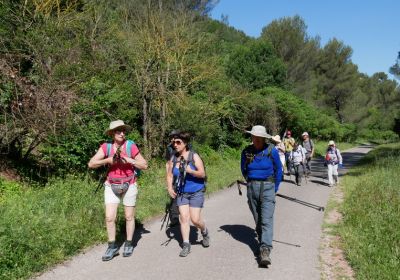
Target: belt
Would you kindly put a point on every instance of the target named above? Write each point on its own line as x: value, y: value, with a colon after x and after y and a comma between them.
x: 269, y: 179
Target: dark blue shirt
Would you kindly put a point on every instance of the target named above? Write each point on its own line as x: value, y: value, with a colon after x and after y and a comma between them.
x: 261, y: 166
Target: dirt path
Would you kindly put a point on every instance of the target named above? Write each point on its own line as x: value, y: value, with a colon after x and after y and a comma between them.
x: 231, y: 255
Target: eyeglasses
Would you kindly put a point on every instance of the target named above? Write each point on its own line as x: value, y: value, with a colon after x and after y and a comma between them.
x: 120, y: 131
x: 177, y: 142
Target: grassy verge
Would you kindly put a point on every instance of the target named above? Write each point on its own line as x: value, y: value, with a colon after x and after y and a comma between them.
x: 321, y: 146
x: 42, y: 227
x: 371, y: 213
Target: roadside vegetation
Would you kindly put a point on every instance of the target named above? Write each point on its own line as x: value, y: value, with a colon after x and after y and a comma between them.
x: 371, y: 212
x: 68, y: 68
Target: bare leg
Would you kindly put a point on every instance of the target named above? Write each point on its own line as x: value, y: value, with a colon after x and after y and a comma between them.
x: 111, y: 215
x: 130, y: 222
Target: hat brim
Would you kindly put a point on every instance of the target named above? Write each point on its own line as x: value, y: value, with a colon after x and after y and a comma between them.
x: 263, y: 135
x: 276, y: 140
x: 127, y: 128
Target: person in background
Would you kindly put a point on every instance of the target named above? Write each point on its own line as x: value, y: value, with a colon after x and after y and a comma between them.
x: 122, y: 161
x: 261, y: 166
x: 289, y: 141
x: 281, y: 150
x: 333, y: 160
x: 297, y: 159
x: 308, y: 145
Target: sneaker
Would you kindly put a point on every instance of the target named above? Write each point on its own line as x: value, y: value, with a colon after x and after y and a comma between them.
x: 185, y: 249
x: 128, y: 248
x: 111, y: 252
x: 206, y: 239
x: 265, y: 259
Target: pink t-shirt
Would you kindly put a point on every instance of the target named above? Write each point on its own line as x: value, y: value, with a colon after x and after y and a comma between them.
x: 118, y: 171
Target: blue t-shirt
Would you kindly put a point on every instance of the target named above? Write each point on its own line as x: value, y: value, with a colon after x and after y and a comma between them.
x: 261, y: 166
x: 192, y: 184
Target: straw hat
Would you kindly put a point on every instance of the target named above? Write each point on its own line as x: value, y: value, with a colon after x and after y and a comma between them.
x: 260, y: 131
x: 277, y: 138
x: 118, y: 124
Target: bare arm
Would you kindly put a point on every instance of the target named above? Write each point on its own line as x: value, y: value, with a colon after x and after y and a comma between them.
x: 138, y: 162
x: 200, y: 172
x: 98, y: 160
x: 170, y: 176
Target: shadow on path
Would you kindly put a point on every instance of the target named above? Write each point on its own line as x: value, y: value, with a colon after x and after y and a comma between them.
x: 243, y: 234
x: 174, y: 233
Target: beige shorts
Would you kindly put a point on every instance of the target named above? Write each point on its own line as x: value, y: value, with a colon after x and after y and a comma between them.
x: 128, y: 198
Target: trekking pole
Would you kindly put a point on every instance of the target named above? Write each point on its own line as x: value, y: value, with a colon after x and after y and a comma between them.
x: 166, y: 216
x: 286, y: 243
x: 238, y: 182
x: 305, y: 203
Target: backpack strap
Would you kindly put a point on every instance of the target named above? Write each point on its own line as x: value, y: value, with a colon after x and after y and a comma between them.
x: 108, y: 152
x: 128, y: 147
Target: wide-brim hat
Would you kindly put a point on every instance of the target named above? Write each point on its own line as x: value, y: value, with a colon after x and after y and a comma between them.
x: 118, y: 124
x: 331, y: 143
x: 276, y: 138
x: 260, y: 131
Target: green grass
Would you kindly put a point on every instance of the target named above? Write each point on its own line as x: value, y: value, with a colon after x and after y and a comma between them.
x: 371, y: 215
x: 42, y: 227
x: 321, y: 146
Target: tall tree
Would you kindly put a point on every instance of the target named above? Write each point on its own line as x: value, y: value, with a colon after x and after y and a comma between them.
x: 338, y: 75
x: 256, y: 65
x: 395, y: 69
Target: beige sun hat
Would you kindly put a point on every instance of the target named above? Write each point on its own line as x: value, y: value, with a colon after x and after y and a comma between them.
x: 117, y: 124
x: 276, y: 138
x: 260, y: 131
x: 331, y: 143
x: 305, y: 134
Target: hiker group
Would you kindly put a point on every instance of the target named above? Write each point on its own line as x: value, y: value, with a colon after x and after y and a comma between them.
x: 263, y: 165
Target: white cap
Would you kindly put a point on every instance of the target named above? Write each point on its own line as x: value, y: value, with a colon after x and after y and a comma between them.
x: 305, y: 134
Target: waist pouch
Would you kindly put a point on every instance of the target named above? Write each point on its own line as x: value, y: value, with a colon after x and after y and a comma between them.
x: 119, y: 189
x: 121, y: 185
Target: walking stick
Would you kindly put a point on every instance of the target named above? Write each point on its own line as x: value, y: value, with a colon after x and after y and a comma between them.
x: 305, y: 203
x: 302, y: 202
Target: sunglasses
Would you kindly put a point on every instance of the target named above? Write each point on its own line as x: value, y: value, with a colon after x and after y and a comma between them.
x: 120, y: 131
x: 177, y: 142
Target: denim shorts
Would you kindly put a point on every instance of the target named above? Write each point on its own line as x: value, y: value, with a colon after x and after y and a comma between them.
x: 195, y: 200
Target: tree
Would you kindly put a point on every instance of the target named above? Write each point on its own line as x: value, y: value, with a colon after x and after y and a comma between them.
x: 338, y: 76
x: 164, y: 50
x: 256, y: 65
x: 395, y: 69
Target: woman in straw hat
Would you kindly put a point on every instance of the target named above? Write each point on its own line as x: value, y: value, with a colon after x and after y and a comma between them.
x: 262, y: 168
x: 122, y: 158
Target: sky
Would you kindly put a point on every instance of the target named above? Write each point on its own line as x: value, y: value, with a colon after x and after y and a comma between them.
x: 370, y: 27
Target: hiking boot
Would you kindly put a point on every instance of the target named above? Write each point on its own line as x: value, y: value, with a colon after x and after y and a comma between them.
x: 185, y: 249
x: 206, y: 239
x: 128, y: 248
x: 111, y: 252
x: 265, y: 259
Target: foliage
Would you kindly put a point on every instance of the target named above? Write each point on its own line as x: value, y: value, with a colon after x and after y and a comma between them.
x: 371, y: 205
x: 255, y: 66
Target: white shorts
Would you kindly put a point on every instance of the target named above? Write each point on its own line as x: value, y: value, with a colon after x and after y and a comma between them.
x: 128, y: 198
